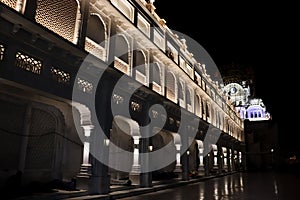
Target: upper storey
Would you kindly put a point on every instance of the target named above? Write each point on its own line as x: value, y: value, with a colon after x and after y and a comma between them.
x: 130, y: 37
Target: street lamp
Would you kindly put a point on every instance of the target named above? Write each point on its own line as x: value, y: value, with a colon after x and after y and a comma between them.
x: 272, y: 157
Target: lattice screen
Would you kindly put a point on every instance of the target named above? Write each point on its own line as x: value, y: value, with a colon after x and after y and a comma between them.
x: 10, y: 3
x: 40, y: 147
x: 58, y: 16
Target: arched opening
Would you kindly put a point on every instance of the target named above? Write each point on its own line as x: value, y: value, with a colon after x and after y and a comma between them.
x: 194, y: 160
x: 181, y: 94
x: 122, y: 54
x: 140, y: 67
x: 171, y: 89
x: 124, y: 134
x: 31, y: 141
x: 96, y: 37
x: 189, y: 100
x: 201, y: 157
x: 160, y: 140
x: 198, y: 106
x: 156, y: 78
x: 96, y: 30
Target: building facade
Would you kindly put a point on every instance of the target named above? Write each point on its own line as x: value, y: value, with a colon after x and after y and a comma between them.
x: 261, y: 134
x: 80, y: 82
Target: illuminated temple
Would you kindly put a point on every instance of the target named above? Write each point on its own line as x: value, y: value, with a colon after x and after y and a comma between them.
x: 53, y: 49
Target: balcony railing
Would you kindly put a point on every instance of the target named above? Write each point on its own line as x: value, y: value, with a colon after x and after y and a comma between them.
x: 95, y: 49
x: 140, y: 77
x: 156, y: 87
x: 122, y: 66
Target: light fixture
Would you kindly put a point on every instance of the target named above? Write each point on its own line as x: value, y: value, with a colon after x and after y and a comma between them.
x: 188, y: 152
x: 272, y: 150
x: 106, y: 142
x: 150, y: 148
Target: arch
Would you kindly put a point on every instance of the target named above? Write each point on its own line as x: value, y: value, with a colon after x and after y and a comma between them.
x: 194, y: 160
x: 46, y: 122
x: 96, y: 29
x: 123, y: 133
x: 181, y: 90
x: 85, y: 113
x: 140, y: 66
x: 207, y: 110
x: 189, y: 100
x: 60, y: 17
x: 140, y: 61
x: 160, y: 140
x: 156, y: 73
x: 198, y: 105
x: 177, y: 139
x: 188, y: 97
x: 171, y: 86
x: 127, y: 125
x: 122, y: 48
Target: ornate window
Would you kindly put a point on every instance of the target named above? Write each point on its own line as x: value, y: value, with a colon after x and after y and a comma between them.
x: 60, y: 17
x: 125, y: 7
x: 10, y: 3
x: 84, y: 85
x: 28, y: 63
x: 171, y: 89
x: 60, y: 76
x: 143, y: 25
x: 159, y: 40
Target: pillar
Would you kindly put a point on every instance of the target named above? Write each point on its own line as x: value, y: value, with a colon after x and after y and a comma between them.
x: 220, y: 159
x: 185, y: 155
x: 229, y: 160
x: 146, y: 132
x: 84, y: 175
x: 136, y: 167
x: 24, y: 142
x: 146, y: 175
x: 100, y: 178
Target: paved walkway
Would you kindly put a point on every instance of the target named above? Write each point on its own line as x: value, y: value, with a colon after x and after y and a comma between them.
x: 117, y: 191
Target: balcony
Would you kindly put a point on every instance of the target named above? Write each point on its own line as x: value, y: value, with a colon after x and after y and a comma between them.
x: 95, y: 49
x: 122, y: 66
x: 156, y: 87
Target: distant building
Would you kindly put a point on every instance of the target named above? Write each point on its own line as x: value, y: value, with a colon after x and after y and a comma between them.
x: 261, y: 135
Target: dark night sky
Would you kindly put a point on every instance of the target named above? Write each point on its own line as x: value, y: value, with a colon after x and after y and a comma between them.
x: 248, y: 33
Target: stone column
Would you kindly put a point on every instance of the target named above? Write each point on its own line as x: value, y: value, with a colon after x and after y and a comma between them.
x: 100, y: 178
x: 82, y: 23
x: 146, y: 175
x: 233, y: 159
x: 206, y: 159
x: 84, y: 175
x: 177, y: 142
x: 146, y: 132
x: 24, y: 142
x: 229, y: 159
x: 220, y: 159
x: 136, y: 167
x: 185, y: 154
